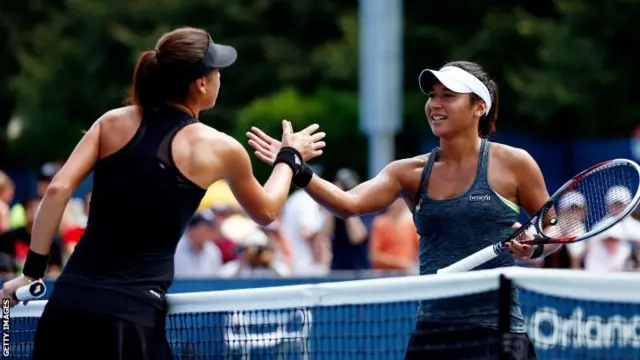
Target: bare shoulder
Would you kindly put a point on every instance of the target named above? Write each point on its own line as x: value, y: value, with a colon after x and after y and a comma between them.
x: 407, y: 172
x: 422, y: 158
x: 516, y: 159
x: 200, y: 135
x: 119, y: 114
x: 119, y: 118
x: 210, y: 146
x: 403, y: 166
x: 509, y: 155
x: 204, y: 154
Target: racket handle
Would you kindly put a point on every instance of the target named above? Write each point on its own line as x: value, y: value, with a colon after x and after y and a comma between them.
x: 33, y: 291
x: 473, y: 260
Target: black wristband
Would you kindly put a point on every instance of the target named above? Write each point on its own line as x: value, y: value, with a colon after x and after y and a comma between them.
x: 35, y: 265
x: 291, y: 157
x: 303, y: 178
x: 537, y: 252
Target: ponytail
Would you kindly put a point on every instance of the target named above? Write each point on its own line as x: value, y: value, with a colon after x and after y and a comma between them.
x: 164, y: 75
x: 145, y: 91
x: 487, y: 124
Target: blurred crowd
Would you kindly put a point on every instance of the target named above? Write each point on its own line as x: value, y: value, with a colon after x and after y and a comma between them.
x: 615, y: 249
x: 220, y: 241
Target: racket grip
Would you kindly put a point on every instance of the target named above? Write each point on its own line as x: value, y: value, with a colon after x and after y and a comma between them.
x: 32, y: 291
x: 473, y: 260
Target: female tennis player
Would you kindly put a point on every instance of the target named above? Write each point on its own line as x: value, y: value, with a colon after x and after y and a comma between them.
x: 152, y: 163
x: 466, y: 194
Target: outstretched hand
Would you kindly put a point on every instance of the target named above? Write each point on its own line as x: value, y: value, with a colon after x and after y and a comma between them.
x: 306, y: 141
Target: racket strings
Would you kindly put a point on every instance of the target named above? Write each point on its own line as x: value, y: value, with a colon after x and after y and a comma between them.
x: 597, y: 199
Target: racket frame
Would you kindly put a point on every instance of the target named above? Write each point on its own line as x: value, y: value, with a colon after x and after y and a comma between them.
x: 536, y: 220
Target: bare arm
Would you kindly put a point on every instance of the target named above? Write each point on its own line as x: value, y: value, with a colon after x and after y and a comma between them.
x: 262, y: 204
x: 370, y: 196
x: 75, y: 170
x: 532, y: 189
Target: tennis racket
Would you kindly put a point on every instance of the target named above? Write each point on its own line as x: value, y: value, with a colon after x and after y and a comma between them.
x: 585, y: 206
x: 32, y: 291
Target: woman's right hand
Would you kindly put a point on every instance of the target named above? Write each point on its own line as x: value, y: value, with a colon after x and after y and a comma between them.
x: 306, y: 142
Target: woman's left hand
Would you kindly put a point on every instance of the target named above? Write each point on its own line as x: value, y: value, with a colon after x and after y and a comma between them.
x: 519, y: 251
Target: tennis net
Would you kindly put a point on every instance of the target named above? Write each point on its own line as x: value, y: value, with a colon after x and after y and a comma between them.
x: 569, y: 315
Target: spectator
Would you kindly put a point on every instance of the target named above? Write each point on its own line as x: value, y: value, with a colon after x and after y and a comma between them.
x: 226, y: 246
x: 636, y: 213
x: 8, y: 266
x: 7, y: 191
x: 302, y: 223
x: 616, y: 200
x: 609, y: 252
x: 350, y: 237
x: 572, y: 206
x: 636, y: 241
x: 72, y: 234
x: 196, y: 254
x: 394, y: 239
x: 16, y: 242
x: 281, y: 244
x: 47, y: 172
x: 45, y: 176
x: 257, y: 258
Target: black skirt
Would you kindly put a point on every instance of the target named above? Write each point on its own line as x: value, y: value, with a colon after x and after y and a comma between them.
x: 456, y: 342
x: 64, y: 333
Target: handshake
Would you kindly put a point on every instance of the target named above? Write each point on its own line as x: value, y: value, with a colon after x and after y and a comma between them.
x: 295, y: 149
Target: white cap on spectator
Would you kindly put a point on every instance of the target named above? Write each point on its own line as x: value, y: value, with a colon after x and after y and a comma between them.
x: 618, y: 194
x: 256, y: 237
x: 237, y: 227
x: 572, y: 198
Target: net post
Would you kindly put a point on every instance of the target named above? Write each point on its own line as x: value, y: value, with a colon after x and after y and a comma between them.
x: 504, y: 316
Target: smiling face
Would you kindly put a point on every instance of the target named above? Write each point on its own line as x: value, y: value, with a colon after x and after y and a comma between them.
x: 450, y: 113
x: 461, y: 93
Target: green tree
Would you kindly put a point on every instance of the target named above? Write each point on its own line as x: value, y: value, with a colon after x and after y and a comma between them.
x: 335, y: 112
x: 78, y: 62
x: 68, y: 61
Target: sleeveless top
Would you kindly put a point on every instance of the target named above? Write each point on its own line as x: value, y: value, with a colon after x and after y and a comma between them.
x: 454, y: 228
x: 140, y: 206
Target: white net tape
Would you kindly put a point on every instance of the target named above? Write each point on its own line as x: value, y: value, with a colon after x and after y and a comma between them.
x: 569, y: 315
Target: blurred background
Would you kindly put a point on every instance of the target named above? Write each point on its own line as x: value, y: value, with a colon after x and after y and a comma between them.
x: 566, y: 70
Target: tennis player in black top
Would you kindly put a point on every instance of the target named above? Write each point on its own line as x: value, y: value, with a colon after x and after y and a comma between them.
x: 152, y: 162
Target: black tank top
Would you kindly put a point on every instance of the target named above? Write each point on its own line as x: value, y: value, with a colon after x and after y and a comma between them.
x: 140, y: 206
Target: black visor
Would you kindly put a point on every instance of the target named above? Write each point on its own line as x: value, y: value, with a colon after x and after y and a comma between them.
x: 217, y: 57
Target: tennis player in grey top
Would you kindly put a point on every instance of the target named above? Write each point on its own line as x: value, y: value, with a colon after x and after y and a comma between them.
x: 465, y: 194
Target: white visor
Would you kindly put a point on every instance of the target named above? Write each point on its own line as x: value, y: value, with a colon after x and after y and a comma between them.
x: 456, y: 80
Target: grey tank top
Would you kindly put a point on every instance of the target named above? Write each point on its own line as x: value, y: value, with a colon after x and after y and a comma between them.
x: 454, y: 228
